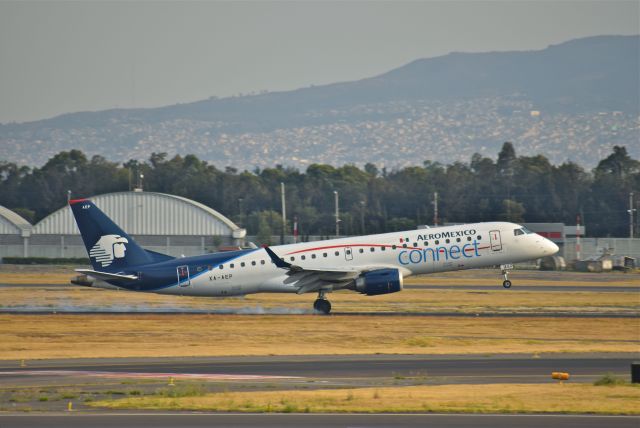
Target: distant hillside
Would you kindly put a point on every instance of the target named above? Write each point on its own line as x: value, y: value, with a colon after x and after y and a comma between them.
x: 569, y: 81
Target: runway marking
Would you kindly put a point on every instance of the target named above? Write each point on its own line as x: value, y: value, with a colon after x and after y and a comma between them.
x: 139, y: 375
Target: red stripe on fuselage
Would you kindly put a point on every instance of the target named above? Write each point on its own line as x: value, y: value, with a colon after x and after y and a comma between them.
x: 75, y: 201
x: 327, y: 247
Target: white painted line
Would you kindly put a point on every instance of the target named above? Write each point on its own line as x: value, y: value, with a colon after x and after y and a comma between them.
x: 138, y: 375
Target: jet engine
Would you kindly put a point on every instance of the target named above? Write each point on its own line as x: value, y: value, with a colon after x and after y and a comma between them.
x: 380, y: 281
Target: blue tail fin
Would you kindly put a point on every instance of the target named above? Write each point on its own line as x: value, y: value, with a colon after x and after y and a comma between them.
x: 109, y: 247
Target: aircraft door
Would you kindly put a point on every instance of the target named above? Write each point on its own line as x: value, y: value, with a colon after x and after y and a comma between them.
x: 496, y: 241
x: 184, y: 280
x: 348, y: 253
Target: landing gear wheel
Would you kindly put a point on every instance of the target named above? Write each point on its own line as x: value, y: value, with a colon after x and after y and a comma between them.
x: 505, y: 274
x: 322, y: 306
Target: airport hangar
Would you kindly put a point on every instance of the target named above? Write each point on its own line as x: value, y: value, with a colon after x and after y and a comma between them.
x: 160, y: 222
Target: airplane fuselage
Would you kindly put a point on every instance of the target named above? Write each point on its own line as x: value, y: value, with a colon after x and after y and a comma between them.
x: 412, y: 252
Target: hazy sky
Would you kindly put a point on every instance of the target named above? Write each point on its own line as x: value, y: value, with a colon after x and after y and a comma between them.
x: 60, y: 57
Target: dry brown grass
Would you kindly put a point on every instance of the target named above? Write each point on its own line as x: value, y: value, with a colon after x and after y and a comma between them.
x: 92, y: 336
x: 36, y: 278
x: 496, y: 398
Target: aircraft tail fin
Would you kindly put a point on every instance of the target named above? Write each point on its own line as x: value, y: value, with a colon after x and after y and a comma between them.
x: 108, y: 246
x: 159, y: 257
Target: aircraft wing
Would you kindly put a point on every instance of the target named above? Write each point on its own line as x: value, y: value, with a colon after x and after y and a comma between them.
x: 106, y: 275
x: 309, y: 280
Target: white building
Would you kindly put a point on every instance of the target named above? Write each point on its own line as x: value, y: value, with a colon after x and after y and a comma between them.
x: 160, y: 222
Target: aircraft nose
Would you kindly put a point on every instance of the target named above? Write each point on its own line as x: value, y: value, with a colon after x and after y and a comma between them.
x: 551, y: 247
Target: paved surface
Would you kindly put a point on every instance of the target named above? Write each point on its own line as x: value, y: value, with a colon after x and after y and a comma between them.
x: 487, y: 369
x: 538, y: 288
x: 166, y: 420
x: 292, y: 311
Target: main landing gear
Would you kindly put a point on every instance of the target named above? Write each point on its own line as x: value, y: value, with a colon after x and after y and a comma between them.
x: 505, y: 274
x: 321, y: 304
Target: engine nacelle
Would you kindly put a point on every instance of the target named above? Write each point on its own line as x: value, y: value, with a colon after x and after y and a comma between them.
x: 381, y: 281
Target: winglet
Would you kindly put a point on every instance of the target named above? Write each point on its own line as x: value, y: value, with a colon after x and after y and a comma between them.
x: 277, y: 260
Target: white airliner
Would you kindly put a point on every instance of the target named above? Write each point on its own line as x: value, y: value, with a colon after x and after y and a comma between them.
x: 371, y: 265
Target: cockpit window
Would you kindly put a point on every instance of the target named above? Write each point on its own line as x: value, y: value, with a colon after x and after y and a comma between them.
x: 521, y: 231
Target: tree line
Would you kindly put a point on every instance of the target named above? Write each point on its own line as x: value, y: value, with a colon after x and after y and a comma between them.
x: 372, y: 200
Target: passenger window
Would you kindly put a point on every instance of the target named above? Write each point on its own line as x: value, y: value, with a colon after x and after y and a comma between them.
x: 361, y: 250
x: 393, y: 247
x: 372, y: 249
x: 447, y: 240
x: 261, y: 262
x: 457, y: 239
x: 437, y: 242
x: 415, y: 244
x: 337, y: 253
x: 479, y: 237
x: 242, y: 264
x: 253, y: 263
x: 324, y: 254
x: 313, y: 256
x: 469, y: 238
x: 221, y: 266
x: 231, y: 265
x: 303, y: 257
x: 404, y: 245
x: 383, y: 248
x: 426, y: 244
x: 292, y: 258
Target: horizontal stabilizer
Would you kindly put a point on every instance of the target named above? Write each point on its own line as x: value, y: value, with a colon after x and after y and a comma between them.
x: 106, y: 275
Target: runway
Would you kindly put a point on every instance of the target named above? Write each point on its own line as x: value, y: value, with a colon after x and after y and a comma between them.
x: 449, y: 369
x: 529, y: 288
x: 177, y: 420
x: 287, y: 312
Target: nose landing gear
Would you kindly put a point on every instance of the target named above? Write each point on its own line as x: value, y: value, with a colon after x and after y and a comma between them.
x: 321, y: 304
x: 505, y: 274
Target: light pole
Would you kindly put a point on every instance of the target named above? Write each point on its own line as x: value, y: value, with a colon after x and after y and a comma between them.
x: 284, y: 213
x: 631, y: 210
x: 435, y: 208
x: 335, y: 194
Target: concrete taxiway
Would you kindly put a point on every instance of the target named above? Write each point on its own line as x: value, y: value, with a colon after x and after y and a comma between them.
x: 170, y: 420
x: 449, y: 369
x: 529, y: 288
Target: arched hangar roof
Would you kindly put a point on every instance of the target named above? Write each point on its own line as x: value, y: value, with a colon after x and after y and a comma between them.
x: 146, y: 213
x: 11, y: 223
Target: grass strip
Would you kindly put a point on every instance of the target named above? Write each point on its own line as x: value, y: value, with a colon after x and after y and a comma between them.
x: 495, y: 398
x: 107, y: 336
